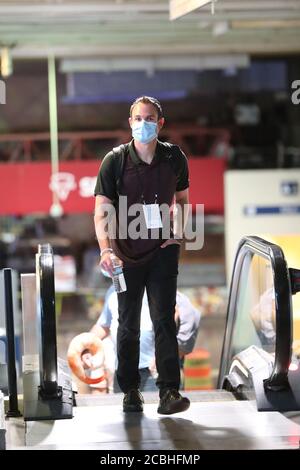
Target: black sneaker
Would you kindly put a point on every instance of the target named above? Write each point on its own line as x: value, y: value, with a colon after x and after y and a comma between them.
x: 172, y: 402
x: 133, y: 401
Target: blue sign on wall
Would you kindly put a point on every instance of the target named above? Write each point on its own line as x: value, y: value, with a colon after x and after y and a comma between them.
x: 271, y: 210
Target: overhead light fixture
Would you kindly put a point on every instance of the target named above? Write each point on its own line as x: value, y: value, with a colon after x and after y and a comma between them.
x: 220, y: 28
x: 152, y: 64
x: 180, y: 8
x: 266, y: 24
x: 6, y: 62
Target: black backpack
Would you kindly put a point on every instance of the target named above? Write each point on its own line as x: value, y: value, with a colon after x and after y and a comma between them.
x: 119, y: 160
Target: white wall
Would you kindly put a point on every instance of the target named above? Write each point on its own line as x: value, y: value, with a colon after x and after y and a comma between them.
x: 258, y: 188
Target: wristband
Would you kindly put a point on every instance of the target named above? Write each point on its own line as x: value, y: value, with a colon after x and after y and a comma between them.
x: 106, y: 250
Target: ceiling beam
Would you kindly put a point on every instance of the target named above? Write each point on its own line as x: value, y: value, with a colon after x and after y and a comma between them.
x: 63, y: 8
x: 253, y: 48
x: 63, y: 25
x: 159, y: 20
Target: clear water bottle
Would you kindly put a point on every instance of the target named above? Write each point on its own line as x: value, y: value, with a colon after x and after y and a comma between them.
x: 118, y: 275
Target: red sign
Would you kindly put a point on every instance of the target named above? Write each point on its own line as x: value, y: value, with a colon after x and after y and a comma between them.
x: 26, y: 188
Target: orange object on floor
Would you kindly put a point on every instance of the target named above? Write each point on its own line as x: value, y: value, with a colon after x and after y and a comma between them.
x: 197, y: 370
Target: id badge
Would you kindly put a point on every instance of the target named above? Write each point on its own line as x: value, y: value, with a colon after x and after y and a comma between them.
x: 152, y: 215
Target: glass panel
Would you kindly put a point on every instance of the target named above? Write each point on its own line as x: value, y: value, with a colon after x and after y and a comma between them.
x: 290, y: 245
x: 30, y: 334
x: 255, y: 319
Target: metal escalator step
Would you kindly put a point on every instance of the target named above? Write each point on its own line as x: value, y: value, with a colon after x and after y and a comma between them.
x: 152, y: 397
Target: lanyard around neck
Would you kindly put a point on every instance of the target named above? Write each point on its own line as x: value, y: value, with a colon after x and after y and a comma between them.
x: 139, y: 178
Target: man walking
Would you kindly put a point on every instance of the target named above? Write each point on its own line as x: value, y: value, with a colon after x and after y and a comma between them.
x: 150, y: 174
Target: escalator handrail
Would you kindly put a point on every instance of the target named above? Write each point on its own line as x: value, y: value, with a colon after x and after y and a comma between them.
x: 47, y: 321
x: 283, y: 305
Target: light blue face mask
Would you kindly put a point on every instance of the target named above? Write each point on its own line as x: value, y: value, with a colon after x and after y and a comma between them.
x: 144, y: 131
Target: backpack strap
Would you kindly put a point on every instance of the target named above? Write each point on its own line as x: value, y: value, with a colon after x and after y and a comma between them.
x: 119, y: 165
x: 171, y: 152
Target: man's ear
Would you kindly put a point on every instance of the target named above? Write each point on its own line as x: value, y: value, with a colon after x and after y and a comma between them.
x: 160, y: 123
x: 130, y: 121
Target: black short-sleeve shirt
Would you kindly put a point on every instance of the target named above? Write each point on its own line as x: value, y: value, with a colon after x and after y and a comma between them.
x: 143, y: 183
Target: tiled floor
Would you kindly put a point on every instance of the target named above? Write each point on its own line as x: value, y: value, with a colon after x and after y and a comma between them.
x: 214, y: 421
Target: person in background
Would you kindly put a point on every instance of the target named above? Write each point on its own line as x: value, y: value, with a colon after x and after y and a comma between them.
x: 187, y: 319
x: 263, y: 315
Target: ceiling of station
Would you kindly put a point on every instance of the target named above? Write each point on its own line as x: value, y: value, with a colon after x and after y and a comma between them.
x: 142, y: 28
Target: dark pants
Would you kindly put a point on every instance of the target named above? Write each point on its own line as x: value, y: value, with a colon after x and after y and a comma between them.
x: 159, y: 277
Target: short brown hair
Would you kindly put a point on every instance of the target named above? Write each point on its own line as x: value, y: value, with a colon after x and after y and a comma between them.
x: 148, y: 100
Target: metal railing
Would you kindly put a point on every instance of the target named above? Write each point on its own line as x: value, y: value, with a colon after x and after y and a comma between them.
x: 283, y: 305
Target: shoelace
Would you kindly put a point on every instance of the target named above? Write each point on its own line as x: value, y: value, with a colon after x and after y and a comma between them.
x: 171, y: 394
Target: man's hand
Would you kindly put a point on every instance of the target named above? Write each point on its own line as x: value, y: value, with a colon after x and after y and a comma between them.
x: 90, y: 361
x: 86, y: 359
x: 171, y: 241
x: 152, y: 369
x: 107, y: 264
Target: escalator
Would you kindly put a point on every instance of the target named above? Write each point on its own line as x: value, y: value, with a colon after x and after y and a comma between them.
x: 257, y: 402
x: 47, y: 387
x: 257, y: 357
